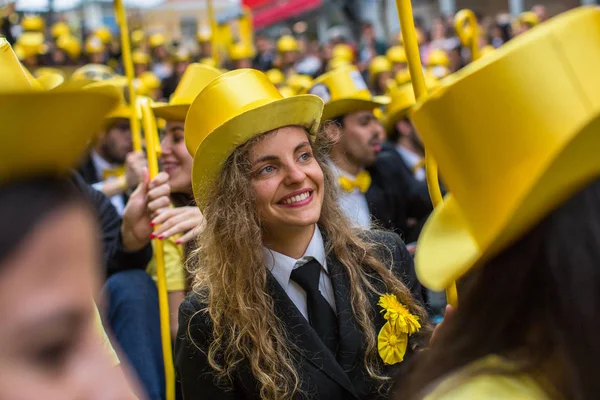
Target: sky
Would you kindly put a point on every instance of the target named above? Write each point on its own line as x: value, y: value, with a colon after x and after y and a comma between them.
x: 60, y: 5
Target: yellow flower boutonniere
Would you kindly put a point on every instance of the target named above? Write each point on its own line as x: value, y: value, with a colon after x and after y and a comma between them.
x: 393, y: 337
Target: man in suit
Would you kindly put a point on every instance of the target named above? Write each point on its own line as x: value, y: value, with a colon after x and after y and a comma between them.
x: 372, y: 189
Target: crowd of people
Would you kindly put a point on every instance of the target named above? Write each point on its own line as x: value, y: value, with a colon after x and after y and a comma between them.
x: 303, y: 255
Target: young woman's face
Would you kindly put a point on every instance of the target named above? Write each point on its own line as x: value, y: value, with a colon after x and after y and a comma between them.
x: 287, y: 180
x: 50, y: 346
x: 175, y: 158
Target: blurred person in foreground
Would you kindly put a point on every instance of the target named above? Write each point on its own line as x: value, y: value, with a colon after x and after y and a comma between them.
x: 521, y: 226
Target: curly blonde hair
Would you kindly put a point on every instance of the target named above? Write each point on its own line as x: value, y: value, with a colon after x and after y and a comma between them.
x: 230, y: 277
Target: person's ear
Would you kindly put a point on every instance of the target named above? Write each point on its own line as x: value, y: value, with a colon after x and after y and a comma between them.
x: 332, y: 131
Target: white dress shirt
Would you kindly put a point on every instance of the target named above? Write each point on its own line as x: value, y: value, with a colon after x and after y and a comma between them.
x: 281, y: 266
x: 102, y: 165
x: 412, y: 160
x: 354, y: 204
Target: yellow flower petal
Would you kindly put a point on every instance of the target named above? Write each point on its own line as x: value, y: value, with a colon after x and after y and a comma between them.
x: 391, y: 344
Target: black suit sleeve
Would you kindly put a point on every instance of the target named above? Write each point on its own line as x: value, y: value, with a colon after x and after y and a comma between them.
x: 116, y: 258
x: 191, y: 361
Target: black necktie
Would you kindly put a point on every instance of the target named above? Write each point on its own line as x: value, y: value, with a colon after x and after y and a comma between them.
x: 320, y: 314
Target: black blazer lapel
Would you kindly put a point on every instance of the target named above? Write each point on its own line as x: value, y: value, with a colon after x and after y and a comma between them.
x: 307, y: 342
x: 350, y: 335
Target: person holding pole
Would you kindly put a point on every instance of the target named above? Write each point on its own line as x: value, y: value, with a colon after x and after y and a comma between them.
x: 288, y: 300
x: 520, y: 228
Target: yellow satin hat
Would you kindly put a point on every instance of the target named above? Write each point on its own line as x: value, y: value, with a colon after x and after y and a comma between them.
x: 275, y: 76
x: 33, y: 23
x: 299, y: 83
x: 396, y: 55
x: 438, y: 58
x: 344, y: 51
x: 140, y: 57
x: 378, y: 65
x: 529, y: 18
x: 402, y: 99
x: 53, y: 141
x: 234, y: 108
x: 240, y: 51
x: 157, y: 40
x: 344, y: 91
x: 70, y: 45
x: 60, y: 29
x: 104, y: 34
x: 515, y: 134
x: 194, y: 79
x: 30, y: 44
x: 286, y: 44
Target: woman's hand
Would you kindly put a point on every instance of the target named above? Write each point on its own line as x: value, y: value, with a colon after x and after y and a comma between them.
x: 181, y: 220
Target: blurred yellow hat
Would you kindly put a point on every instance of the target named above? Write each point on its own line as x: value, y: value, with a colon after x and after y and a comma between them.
x: 33, y: 23
x: 30, y: 44
x: 60, y: 29
x: 275, y: 76
x: 93, y: 73
x: 344, y: 91
x: 137, y: 37
x: 396, y: 55
x: 53, y: 141
x: 335, y: 63
x: 234, y: 108
x: 287, y: 91
x: 378, y: 65
x: 122, y: 110
x: 529, y: 18
x: 182, y: 55
x: 299, y: 83
x: 402, y: 77
x: 343, y: 51
x: 94, y: 45
x: 49, y: 80
x: 209, y: 61
x: 540, y: 146
x: 240, y: 51
x: 104, y: 34
x: 203, y: 36
x: 70, y: 45
x: 48, y: 71
x: 148, y: 83
x: 438, y: 58
x: 286, y: 44
x: 402, y: 99
x: 140, y: 57
x: 157, y: 40
x: 194, y: 79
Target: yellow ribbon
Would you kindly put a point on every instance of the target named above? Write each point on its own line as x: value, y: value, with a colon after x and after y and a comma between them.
x: 362, y: 182
x: 418, y: 166
x: 113, y: 173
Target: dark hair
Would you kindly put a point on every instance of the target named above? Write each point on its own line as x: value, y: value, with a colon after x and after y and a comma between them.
x: 24, y: 203
x: 338, y: 120
x: 536, y: 304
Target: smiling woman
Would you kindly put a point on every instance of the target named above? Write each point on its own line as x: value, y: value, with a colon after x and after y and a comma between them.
x: 285, y: 292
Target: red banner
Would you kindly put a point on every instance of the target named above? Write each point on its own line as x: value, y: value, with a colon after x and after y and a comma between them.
x: 269, y: 12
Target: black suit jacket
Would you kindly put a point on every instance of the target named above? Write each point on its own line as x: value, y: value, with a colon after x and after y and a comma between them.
x: 322, y: 375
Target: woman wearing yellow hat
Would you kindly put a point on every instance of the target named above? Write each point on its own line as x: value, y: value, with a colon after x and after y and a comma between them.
x: 285, y: 293
x: 521, y: 225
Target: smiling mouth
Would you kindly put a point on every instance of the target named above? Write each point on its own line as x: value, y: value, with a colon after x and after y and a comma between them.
x: 299, y: 198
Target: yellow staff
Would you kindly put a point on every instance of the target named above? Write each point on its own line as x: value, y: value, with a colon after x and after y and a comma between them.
x: 213, y: 31
x: 467, y: 29
x: 415, y: 67
x: 153, y: 149
x: 128, y: 65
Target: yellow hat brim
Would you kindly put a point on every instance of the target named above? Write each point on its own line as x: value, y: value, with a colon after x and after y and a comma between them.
x: 301, y: 110
x: 447, y: 249
x: 340, y: 107
x: 50, y: 81
x: 54, y: 141
x: 123, y: 111
x: 169, y: 112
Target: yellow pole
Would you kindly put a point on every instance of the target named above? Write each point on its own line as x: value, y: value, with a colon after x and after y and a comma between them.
x: 153, y: 148
x: 128, y: 65
x: 415, y: 68
x: 213, y: 32
x: 467, y: 29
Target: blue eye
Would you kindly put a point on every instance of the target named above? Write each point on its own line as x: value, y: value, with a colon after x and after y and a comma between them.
x: 266, y: 170
x: 305, y: 156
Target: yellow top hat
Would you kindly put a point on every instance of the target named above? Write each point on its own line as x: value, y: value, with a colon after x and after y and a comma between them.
x: 148, y: 82
x: 69, y: 45
x: 33, y: 23
x: 529, y: 18
x: 344, y: 51
x: 336, y: 63
x: 344, y: 91
x: 50, y: 80
x: 396, y: 55
x: 122, y: 110
x: 137, y: 37
x: 94, y: 45
x: 234, y: 108
x: 240, y: 51
x: 60, y: 29
x: 203, y: 36
x: 157, y: 40
x: 539, y: 147
x: 194, y: 79
x: 30, y: 44
x: 93, y: 73
x: 53, y: 141
x: 378, y: 65
x: 286, y: 44
x: 140, y: 57
x: 402, y: 99
x: 438, y: 58
x: 299, y: 83
x: 275, y: 76
x: 104, y: 34
x: 182, y: 55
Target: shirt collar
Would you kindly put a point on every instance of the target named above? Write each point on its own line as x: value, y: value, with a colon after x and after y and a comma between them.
x: 101, y: 164
x: 281, y: 266
x: 409, y: 157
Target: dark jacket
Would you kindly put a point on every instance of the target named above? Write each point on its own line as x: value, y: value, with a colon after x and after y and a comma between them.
x: 116, y: 258
x: 322, y: 375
